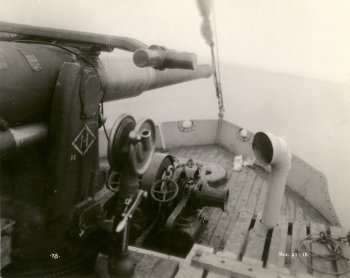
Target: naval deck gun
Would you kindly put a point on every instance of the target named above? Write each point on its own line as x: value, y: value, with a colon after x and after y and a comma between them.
x: 53, y: 84
x: 62, y: 204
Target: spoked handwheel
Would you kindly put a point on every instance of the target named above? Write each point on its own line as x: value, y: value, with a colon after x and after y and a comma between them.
x: 164, y: 190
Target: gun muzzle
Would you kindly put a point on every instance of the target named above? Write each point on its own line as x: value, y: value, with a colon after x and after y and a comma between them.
x: 162, y: 58
x: 124, y: 79
x: 206, y: 196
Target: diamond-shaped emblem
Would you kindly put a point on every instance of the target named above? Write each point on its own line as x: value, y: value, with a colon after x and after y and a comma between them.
x: 84, y: 140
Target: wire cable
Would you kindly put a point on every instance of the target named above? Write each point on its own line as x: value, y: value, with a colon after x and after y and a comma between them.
x: 333, y: 245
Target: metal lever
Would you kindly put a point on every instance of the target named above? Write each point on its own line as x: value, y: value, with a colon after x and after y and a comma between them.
x: 128, y: 214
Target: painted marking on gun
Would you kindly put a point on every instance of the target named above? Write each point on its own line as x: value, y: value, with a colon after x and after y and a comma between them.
x: 84, y: 140
x: 31, y: 59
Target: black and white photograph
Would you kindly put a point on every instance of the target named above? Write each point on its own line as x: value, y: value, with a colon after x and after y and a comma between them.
x: 163, y: 138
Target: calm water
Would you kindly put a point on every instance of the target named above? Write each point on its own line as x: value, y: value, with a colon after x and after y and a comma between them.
x: 313, y: 115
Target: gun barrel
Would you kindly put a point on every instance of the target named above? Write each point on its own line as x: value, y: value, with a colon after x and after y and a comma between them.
x: 125, y: 80
x: 29, y: 71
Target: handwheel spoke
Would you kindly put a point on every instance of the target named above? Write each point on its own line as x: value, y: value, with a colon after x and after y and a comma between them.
x: 164, y: 190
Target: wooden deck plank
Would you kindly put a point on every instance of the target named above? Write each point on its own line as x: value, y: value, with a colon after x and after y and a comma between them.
x: 237, y: 238
x: 284, y: 206
x: 208, y: 153
x: 235, y: 185
x: 179, y: 151
x: 299, y: 214
x: 215, y: 218
x: 247, y: 189
x: 239, y: 196
x: 215, y: 214
x: 236, y: 188
x: 254, y: 195
x: 188, y: 152
x: 227, y: 256
x: 186, y: 269
x: 205, y: 153
x: 226, y: 223
x: 215, y: 275
x: 226, y: 267
x: 193, y: 153
x: 224, y: 159
x: 215, y: 153
x: 261, y: 200
x: 298, y: 234
x: 147, y: 264
x: 290, y: 209
x: 255, y: 244
x: 277, y: 250
x: 342, y: 266
x: 151, y: 266
x: 318, y: 263
x: 228, y: 160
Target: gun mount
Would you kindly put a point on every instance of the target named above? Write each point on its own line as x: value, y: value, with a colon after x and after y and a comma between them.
x: 130, y: 150
x: 178, y: 193
x: 52, y: 85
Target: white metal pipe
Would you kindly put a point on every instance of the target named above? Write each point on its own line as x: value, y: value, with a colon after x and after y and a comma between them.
x: 272, y: 150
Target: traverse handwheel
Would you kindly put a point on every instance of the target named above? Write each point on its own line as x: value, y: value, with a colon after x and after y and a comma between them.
x: 164, y: 190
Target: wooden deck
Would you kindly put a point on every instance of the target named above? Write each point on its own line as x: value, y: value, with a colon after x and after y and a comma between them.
x: 148, y: 264
x: 247, y: 193
x: 235, y: 243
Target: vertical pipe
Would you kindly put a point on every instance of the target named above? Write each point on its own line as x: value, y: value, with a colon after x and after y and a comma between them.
x: 272, y: 150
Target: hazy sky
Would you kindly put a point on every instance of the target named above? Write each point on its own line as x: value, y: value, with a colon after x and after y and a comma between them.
x: 300, y: 37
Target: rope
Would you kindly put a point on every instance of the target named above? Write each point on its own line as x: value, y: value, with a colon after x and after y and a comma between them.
x: 204, y: 7
x: 333, y: 245
x: 217, y: 42
x: 217, y: 78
